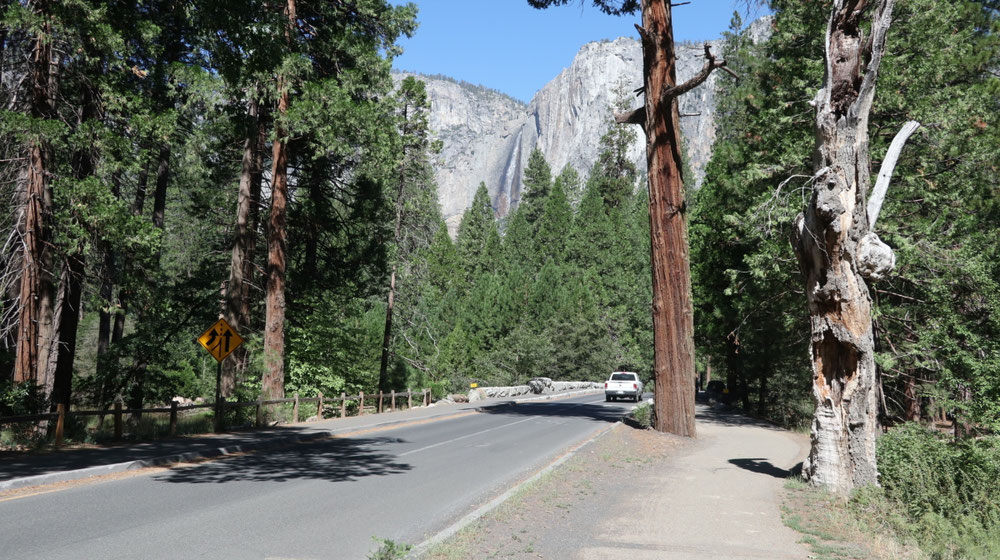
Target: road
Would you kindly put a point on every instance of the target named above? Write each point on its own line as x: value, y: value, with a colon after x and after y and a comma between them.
x: 320, y: 500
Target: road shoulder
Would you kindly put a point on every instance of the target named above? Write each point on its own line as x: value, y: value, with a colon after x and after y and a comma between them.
x: 636, y: 494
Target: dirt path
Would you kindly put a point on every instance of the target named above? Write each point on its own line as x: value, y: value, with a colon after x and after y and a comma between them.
x: 641, y: 495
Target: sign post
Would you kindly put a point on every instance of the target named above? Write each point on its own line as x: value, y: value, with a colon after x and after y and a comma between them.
x: 220, y: 340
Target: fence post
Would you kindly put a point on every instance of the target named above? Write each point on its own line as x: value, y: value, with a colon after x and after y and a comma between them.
x: 380, y: 402
x: 427, y: 397
x: 60, y: 423
x: 118, y: 419
x: 173, y: 418
x: 260, y: 412
x: 343, y: 405
x: 361, y: 403
x: 409, y: 398
x: 319, y: 407
x: 220, y: 418
x: 295, y: 409
x: 392, y: 401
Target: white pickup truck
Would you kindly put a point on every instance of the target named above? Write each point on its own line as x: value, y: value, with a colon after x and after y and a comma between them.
x: 623, y: 384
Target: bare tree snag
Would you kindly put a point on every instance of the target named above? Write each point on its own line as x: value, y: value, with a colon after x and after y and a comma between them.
x: 837, y: 251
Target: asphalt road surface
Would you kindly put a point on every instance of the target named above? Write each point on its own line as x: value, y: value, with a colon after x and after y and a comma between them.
x: 325, y: 500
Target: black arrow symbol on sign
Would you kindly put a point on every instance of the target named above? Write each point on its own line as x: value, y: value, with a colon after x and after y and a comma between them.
x: 211, y: 338
x: 227, y: 336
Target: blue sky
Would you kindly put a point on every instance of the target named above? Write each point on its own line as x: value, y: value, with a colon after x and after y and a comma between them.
x: 508, y: 46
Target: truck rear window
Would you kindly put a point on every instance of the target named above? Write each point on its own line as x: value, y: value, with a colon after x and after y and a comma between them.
x: 623, y: 377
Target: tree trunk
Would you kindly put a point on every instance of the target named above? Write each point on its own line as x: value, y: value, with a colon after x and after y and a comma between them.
x: 912, y: 412
x: 106, y: 294
x: 236, y: 311
x: 159, y: 211
x: 383, y: 371
x: 673, y: 323
x: 71, y: 282
x: 830, y: 236
x: 272, y: 384
x: 273, y: 381
x: 162, y: 181
x: 69, y: 322
x: 36, y: 296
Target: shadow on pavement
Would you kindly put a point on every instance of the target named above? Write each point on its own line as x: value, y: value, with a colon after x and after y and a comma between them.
x: 726, y: 417
x: 762, y: 466
x: 17, y: 465
x: 333, y: 460
x: 596, y: 412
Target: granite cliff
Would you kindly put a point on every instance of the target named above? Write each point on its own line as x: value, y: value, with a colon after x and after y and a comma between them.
x: 488, y: 136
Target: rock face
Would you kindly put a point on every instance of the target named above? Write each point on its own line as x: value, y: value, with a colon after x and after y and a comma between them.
x: 488, y: 136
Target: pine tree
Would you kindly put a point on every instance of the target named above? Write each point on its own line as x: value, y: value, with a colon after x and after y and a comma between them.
x: 537, y: 185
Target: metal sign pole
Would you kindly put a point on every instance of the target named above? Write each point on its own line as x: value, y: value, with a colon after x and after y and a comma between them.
x: 218, y: 399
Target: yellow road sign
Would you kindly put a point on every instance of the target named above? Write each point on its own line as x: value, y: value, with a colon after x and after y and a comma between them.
x: 220, y: 340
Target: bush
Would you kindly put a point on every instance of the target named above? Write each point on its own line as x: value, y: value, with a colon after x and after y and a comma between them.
x: 643, y: 414
x: 948, y: 491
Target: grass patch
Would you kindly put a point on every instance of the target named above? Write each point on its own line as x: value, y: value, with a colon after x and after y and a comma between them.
x: 389, y: 550
x: 834, y: 529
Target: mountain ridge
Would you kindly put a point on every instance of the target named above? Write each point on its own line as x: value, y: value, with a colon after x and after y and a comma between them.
x: 487, y: 135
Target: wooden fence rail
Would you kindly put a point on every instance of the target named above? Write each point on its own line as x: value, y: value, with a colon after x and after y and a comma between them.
x: 220, y: 408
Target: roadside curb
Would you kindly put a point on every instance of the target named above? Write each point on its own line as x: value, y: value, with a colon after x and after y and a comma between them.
x: 425, y: 547
x: 227, y: 450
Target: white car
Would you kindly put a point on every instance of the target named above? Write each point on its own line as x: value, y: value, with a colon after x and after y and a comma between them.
x: 623, y: 384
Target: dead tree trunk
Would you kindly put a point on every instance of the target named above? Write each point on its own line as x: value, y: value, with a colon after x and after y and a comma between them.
x: 673, y: 319
x: 273, y: 382
x: 36, y: 296
x: 236, y: 310
x: 837, y: 251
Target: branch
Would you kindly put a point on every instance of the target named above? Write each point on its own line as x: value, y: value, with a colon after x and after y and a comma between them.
x: 885, y: 172
x: 636, y: 116
x: 875, y: 47
x: 710, y: 64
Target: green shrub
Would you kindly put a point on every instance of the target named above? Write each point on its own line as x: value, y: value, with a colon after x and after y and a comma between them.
x: 948, y: 491
x: 643, y: 414
x: 389, y: 550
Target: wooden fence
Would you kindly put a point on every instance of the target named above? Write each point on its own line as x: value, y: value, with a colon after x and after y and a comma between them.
x: 322, y: 403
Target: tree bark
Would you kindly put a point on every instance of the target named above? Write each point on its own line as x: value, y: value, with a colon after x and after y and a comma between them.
x: 74, y: 269
x: 37, y: 288
x: 273, y: 381
x: 828, y: 242
x: 383, y: 372
x: 236, y: 311
x: 673, y: 323
x: 69, y: 322
x: 673, y: 316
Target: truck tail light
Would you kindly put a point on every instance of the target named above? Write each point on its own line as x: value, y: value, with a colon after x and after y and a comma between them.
x: 605, y: 384
x: 635, y: 386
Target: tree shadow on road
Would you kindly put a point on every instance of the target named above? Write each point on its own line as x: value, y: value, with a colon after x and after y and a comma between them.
x: 595, y: 412
x: 334, y: 460
x: 763, y: 466
x: 729, y: 417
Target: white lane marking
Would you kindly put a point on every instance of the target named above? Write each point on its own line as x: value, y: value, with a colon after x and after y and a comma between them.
x: 466, y: 436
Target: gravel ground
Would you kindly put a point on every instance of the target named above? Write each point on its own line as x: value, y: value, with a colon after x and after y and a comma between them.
x: 636, y: 494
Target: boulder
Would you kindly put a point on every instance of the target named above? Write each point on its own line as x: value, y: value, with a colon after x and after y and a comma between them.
x: 540, y: 385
